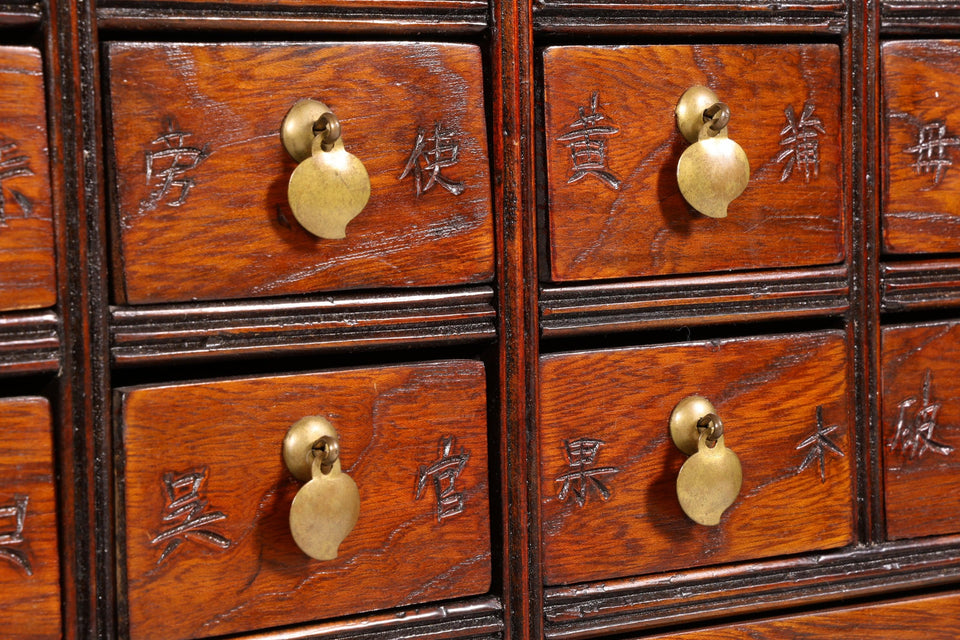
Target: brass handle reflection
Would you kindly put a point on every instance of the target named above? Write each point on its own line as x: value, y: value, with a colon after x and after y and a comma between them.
x: 714, y: 170
x: 327, y: 507
x: 710, y: 479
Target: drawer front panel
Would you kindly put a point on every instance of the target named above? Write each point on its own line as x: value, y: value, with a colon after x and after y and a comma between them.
x: 612, y: 148
x: 29, y: 566
x: 921, y: 87
x: 921, y: 441
x: 784, y: 403
x: 27, y: 276
x: 201, y: 173
x: 412, y: 438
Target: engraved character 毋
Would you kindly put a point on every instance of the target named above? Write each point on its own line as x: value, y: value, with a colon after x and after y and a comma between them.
x: 167, y: 166
x: 431, y: 154
x: 585, y: 139
x: 916, y: 424
x: 12, y: 165
x: 578, y: 482
x: 800, y: 138
x: 12, y: 517
x: 444, y: 473
x: 185, y: 514
x: 932, y: 150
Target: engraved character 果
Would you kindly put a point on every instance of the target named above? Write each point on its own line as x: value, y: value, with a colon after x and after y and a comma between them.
x: 577, y: 483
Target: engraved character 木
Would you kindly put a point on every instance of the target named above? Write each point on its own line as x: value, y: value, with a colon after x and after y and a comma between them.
x: 577, y: 483
x: 819, y: 444
x: 167, y: 166
x: 800, y: 138
x: 12, y: 517
x: 444, y: 473
x: 586, y: 141
x: 431, y: 154
x: 185, y: 514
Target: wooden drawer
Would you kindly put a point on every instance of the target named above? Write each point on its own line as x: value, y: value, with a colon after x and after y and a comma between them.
x: 921, y: 142
x: 27, y: 277
x: 921, y: 441
x: 609, y: 467
x: 29, y: 566
x: 201, y: 174
x: 612, y: 147
x: 207, y: 497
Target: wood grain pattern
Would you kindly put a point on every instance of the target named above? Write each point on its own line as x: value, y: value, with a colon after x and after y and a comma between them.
x: 391, y: 421
x: 27, y: 278
x: 409, y: 5
x: 766, y: 390
x: 29, y: 566
x: 920, y: 90
x: 234, y: 236
x: 927, y: 618
x: 646, y: 228
x: 922, y: 491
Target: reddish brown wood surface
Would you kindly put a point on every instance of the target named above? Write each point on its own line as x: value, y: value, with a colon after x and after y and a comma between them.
x: 29, y: 569
x: 921, y: 187
x: 645, y: 227
x: 391, y: 423
x: 434, y: 5
x: 27, y: 279
x: 766, y: 391
x: 234, y: 235
x: 921, y: 429
x: 927, y: 618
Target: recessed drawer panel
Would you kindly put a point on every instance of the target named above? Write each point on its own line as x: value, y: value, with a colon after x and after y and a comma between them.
x: 609, y: 468
x: 201, y: 174
x: 27, y: 277
x: 29, y: 568
x: 921, y: 86
x: 208, y: 497
x: 921, y: 441
x: 612, y: 148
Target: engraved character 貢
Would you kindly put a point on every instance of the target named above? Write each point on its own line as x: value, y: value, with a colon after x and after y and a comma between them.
x: 914, y: 434
x: 185, y: 514
x: 577, y: 483
x: 932, y: 150
x: 444, y: 473
x: 586, y: 141
x: 13, y: 165
x: 819, y: 444
x: 167, y: 166
x: 800, y: 138
x: 12, y: 517
x: 430, y: 155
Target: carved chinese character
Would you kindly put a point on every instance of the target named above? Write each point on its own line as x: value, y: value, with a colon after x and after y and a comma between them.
x: 581, y: 454
x: 185, y: 514
x: 430, y: 155
x: 12, y: 517
x: 167, y: 167
x: 12, y: 166
x: 932, y: 150
x: 914, y: 433
x: 819, y: 444
x: 444, y: 473
x: 586, y: 141
x: 800, y: 139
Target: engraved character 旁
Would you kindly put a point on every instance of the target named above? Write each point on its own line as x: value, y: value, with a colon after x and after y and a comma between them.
x: 167, y: 167
x: 444, y: 473
x: 13, y: 166
x: 801, y: 139
x: 914, y: 436
x: 185, y: 514
x: 577, y: 483
x: 585, y: 139
x: 430, y: 155
x: 12, y: 518
x: 932, y: 150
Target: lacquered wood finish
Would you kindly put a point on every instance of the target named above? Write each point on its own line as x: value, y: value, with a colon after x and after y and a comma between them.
x: 921, y: 445
x: 767, y: 391
x: 29, y: 565
x: 392, y: 422
x: 27, y: 277
x: 788, y: 215
x: 233, y: 235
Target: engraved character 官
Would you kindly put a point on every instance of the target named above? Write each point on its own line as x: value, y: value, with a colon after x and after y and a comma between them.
x: 12, y: 517
x: 12, y: 166
x: 914, y: 436
x: 932, y: 150
x: 185, y: 514
x: 444, y: 473
x: 586, y: 141
x: 577, y: 483
x: 167, y: 166
x: 800, y: 136
x: 430, y: 155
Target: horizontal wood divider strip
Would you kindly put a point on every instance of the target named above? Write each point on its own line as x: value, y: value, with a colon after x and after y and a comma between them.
x: 624, y: 306
x: 675, y: 20
x: 623, y: 606
x: 140, y: 334
x: 29, y: 342
x: 905, y: 286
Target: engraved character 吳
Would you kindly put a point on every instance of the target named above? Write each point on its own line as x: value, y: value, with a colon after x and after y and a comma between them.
x: 800, y: 138
x: 430, y: 155
x: 585, y: 139
x: 932, y: 150
x: 185, y: 514
x: 13, y: 165
x: 12, y: 517
x: 167, y: 166
x: 819, y: 444
x: 914, y: 434
x: 581, y: 454
x: 444, y: 473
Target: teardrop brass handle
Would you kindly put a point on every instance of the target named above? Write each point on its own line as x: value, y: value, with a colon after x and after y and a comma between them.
x: 714, y: 170
x: 327, y: 507
x: 710, y: 479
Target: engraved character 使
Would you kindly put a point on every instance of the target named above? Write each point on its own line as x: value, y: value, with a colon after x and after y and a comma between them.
x: 577, y: 483
x: 444, y: 473
x: 430, y: 155
x: 12, y: 517
x: 586, y: 141
x: 914, y: 433
x: 800, y: 138
x: 167, y: 166
x: 12, y: 165
x: 933, y: 150
x: 185, y: 514
x: 819, y: 444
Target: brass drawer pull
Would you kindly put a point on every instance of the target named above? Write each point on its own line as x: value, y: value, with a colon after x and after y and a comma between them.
x: 709, y: 481
x: 714, y: 169
x: 327, y: 507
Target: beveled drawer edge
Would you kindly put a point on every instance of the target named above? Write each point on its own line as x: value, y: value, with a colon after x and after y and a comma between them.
x: 29, y: 342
